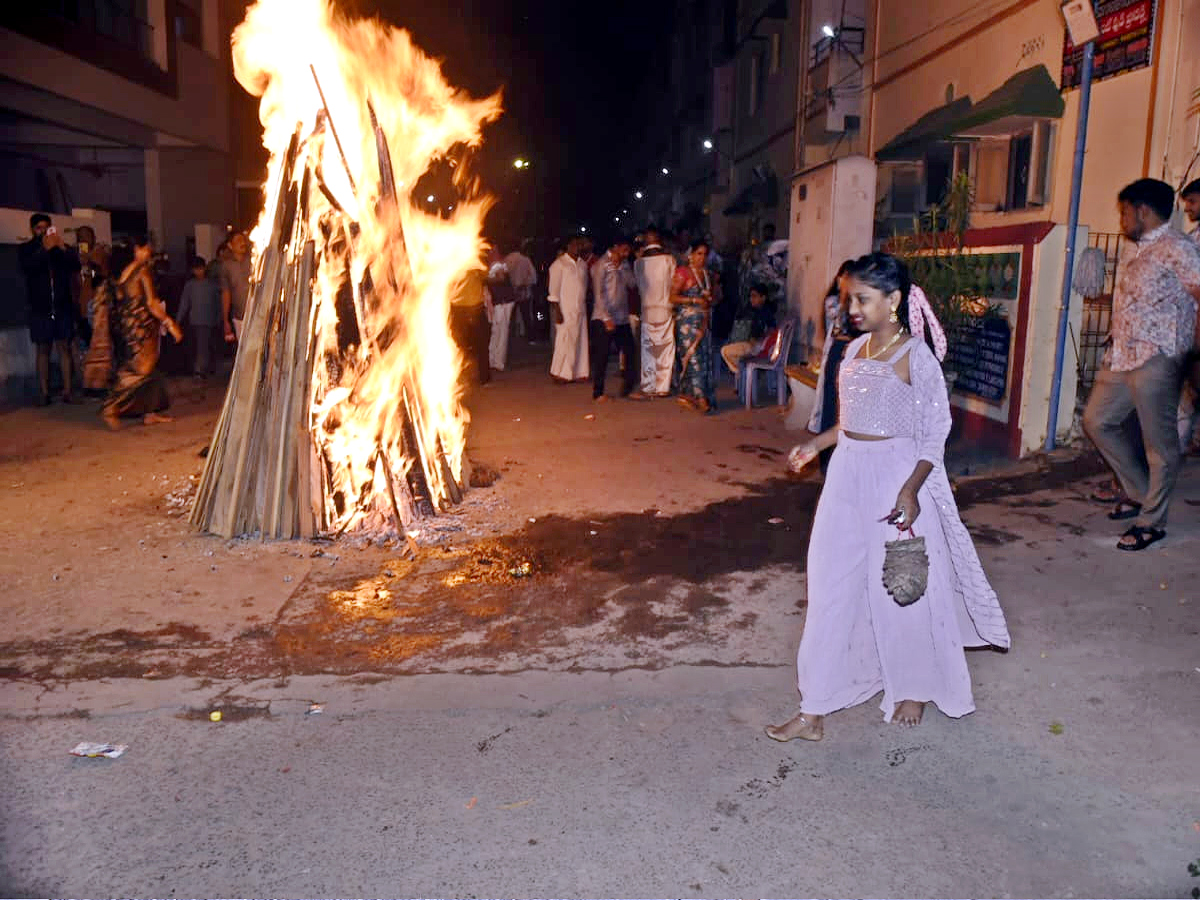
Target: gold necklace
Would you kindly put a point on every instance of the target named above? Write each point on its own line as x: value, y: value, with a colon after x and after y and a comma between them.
x: 884, y: 349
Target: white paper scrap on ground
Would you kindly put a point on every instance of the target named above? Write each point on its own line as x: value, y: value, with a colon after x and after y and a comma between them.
x: 86, y: 748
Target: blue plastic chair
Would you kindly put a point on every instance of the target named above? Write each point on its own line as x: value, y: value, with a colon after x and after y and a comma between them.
x: 773, y: 365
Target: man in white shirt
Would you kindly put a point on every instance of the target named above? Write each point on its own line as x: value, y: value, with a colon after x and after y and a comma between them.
x: 523, y: 276
x: 567, y: 296
x: 654, y: 270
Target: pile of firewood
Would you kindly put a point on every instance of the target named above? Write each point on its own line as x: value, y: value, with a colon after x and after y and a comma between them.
x: 269, y: 469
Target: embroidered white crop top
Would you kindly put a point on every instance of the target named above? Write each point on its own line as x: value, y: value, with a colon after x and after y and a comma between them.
x: 873, y: 400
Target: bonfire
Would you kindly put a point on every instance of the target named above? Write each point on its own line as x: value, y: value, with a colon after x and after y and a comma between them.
x: 344, y: 411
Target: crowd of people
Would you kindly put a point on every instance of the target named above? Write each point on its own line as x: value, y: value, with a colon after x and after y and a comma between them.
x: 666, y: 305
x: 663, y: 304
x: 99, y: 311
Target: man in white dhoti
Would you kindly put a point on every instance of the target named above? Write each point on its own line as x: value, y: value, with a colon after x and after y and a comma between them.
x: 654, y: 270
x: 567, y: 295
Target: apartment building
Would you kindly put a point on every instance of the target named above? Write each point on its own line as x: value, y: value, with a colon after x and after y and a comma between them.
x: 121, y: 106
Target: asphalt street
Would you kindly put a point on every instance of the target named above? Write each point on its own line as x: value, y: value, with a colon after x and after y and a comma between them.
x: 441, y: 726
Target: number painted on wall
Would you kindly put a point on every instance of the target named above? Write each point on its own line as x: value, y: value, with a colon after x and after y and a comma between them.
x: 1032, y: 46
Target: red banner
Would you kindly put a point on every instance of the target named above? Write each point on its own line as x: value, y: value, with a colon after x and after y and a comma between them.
x: 1125, y: 42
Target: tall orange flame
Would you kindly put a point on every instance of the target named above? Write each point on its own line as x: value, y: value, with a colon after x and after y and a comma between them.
x: 355, y: 92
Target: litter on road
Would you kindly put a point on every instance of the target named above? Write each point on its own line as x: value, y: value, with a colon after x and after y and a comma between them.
x: 92, y: 751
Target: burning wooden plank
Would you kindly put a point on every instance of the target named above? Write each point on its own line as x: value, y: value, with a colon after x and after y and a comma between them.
x: 343, y: 409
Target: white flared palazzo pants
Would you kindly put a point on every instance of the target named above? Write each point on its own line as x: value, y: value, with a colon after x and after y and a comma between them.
x: 857, y: 640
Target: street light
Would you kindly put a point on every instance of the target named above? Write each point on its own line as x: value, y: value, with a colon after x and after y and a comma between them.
x: 638, y: 195
x: 583, y: 229
x: 708, y: 144
x: 829, y: 31
x: 666, y: 171
x: 520, y: 163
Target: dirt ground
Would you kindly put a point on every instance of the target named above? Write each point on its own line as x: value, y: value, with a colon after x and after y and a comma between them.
x: 616, y: 534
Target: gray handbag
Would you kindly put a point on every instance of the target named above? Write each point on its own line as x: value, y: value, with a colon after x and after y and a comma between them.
x: 906, y: 568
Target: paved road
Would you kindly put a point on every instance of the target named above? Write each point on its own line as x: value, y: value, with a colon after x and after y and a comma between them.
x: 593, y: 729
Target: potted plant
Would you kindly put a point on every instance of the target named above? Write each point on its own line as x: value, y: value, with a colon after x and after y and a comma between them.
x: 938, y: 261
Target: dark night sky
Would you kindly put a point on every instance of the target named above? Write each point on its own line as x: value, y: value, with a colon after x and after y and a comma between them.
x: 571, y: 83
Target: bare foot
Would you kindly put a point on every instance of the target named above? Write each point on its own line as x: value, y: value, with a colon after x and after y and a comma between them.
x: 156, y: 419
x: 807, y: 728
x: 112, y: 421
x: 908, y: 713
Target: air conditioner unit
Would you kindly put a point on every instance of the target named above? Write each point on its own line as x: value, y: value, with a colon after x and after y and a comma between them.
x: 840, y: 120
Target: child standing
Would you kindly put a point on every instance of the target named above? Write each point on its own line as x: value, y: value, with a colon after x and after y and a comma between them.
x: 201, y: 304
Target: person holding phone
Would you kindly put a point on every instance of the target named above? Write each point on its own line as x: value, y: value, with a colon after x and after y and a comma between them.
x: 50, y: 270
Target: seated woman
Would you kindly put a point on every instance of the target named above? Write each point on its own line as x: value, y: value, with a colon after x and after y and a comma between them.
x: 762, y: 330
x: 140, y: 390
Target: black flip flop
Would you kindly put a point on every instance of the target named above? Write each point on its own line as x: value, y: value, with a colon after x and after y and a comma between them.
x: 1143, y: 538
x: 1125, y: 509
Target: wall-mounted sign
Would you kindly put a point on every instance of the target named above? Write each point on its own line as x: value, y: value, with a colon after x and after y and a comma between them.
x: 1125, y: 41
x: 978, y: 353
x: 1081, y: 21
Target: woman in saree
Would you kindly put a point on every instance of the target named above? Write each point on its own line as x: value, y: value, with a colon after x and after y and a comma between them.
x: 693, y: 296
x: 140, y: 390
x: 886, y: 474
x: 98, y: 361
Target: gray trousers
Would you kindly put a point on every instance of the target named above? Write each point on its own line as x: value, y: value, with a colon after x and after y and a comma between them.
x: 1152, y: 394
x: 204, y: 335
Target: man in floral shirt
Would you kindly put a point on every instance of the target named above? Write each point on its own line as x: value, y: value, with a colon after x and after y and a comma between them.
x: 1153, y: 330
